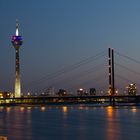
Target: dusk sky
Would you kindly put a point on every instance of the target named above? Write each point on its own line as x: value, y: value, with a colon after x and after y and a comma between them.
x: 60, y: 33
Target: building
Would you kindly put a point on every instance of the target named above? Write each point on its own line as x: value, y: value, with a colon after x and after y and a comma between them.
x: 4, y: 94
x: 92, y: 91
x: 17, y: 42
x: 62, y: 92
x: 81, y: 92
x: 132, y: 89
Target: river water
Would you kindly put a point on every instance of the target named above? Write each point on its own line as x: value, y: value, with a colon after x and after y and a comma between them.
x: 75, y: 122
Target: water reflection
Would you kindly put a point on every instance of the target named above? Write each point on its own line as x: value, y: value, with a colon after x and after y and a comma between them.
x: 8, y: 109
x: 110, y: 113
x: 29, y: 109
x: 1, y: 108
x: 134, y: 109
x: 22, y: 109
x: 112, y: 127
x: 43, y: 108
x: 41, y: 123
x: 16, y: 120
x: 22, y: 122
x: 65, y: 110
x: 81, y: 107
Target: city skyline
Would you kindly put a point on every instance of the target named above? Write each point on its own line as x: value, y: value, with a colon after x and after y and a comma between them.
x: 60, y: 34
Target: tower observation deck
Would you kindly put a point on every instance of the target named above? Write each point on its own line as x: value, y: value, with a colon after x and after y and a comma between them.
x: 17, y: 42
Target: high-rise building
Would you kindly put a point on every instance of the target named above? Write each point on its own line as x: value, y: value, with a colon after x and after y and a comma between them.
x: 17, y: 42
x: 132, y: 89
x: 92, y: 91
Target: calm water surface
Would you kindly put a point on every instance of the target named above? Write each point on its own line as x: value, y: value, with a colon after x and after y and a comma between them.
x: 70, y: 123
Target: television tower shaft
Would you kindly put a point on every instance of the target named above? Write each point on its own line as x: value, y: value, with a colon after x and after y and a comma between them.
x: 17, y: 42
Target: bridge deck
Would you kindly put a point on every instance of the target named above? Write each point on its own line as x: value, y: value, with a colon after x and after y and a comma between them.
x: 110, y: 100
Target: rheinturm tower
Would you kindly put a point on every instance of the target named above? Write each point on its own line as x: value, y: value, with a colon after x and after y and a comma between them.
x: 17, y: 42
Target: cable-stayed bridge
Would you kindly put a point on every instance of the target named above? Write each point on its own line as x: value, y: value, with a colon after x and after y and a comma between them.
x: 109, y: 73
x: 91, y: 72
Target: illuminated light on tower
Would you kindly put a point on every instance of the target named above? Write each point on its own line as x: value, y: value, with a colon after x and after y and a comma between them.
x: 17, y: 42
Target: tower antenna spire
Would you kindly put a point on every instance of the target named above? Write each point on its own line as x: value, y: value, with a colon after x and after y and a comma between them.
x: 17, y: 27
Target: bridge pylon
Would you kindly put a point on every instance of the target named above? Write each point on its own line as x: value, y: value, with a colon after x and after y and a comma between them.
x: 111, y: 89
